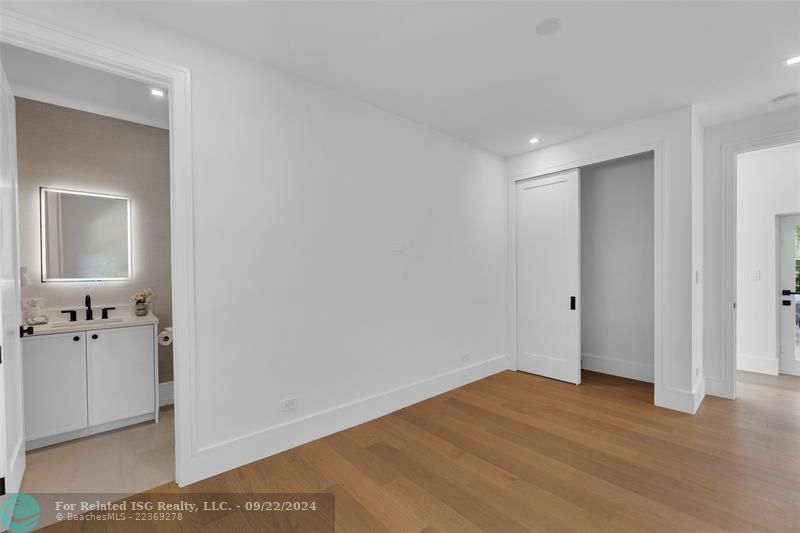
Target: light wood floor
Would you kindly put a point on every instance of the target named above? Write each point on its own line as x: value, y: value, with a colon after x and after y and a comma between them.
x: 516, y: 452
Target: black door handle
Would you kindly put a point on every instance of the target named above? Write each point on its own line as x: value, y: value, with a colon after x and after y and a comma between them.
x: 787, y: 302
x: 572, y: 303
x: 76, y: 338
x: 23, y: 330
x: 95, y: 336
x: 787, y: 292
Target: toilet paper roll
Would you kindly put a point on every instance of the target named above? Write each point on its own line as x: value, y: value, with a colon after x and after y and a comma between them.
x: 165, y: 337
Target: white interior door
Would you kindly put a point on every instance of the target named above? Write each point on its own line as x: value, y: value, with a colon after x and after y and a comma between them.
x: 548, y: 276
x: 788, y: 282
x: 12, y: 440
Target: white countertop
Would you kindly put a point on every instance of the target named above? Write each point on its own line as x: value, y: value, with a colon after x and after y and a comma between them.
x: 122, y: 321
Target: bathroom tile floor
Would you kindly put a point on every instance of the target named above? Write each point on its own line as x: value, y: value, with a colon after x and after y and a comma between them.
x: 124, y: 462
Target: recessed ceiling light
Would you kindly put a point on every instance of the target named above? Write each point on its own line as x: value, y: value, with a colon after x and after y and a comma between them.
x: 792, y: 61
x: 157, y: 92
x: 534, y: 140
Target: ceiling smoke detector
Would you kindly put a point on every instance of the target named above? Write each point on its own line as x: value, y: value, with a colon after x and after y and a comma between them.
x: 548, y: 27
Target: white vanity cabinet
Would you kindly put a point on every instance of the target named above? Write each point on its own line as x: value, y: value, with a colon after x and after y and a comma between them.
x: 120, y: 370
x: 85, y: 382
x: 54, y: 381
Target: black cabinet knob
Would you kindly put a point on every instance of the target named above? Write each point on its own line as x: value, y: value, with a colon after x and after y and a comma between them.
x: 95, y: 336
x: 76, y: 338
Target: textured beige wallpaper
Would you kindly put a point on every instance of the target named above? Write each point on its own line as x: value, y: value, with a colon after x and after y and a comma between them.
x: 69, y: 149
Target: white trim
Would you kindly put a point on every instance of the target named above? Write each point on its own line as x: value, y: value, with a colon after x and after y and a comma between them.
x: 660, y: 151
x: 49, y: 440
x: 166, y: 393
x: 251, y: 447
x: 31, y: 34
x: 726, y: 387
x: 617, y: 367
x: 718, y: 387
x: 685, y: 401
x: 757, y: 364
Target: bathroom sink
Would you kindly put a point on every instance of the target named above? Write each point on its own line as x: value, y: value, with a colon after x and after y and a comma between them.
x: 69, y: 324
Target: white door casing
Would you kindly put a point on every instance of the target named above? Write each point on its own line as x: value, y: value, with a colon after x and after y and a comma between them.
x: 12, y: 431
x: 788, y: 329
x: 548, y: 275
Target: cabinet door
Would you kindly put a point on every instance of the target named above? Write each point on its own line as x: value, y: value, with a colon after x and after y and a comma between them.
x: 54, y: 381
x: 121, y: 371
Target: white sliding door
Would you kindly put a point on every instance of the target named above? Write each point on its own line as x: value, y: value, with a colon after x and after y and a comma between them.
x: 548, y: 276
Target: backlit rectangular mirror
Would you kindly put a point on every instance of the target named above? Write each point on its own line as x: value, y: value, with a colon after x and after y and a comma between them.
x: 85, y: 236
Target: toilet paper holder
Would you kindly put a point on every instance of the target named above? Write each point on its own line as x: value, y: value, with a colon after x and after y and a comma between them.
x: 165, y: 337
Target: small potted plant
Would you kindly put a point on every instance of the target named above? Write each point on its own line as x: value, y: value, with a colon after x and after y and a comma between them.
x: 141, y: 300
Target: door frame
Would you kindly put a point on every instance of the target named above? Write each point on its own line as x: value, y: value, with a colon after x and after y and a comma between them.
x: 728, y: 214
x: 658, y: 149
x: 778, y: 288
x: 31, y: 34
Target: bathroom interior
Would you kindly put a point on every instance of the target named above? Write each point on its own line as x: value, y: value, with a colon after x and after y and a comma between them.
x: 93, y: 162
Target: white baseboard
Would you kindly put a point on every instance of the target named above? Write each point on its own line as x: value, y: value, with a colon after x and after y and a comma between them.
x: 760, y: 365
x: 698, y: 394
x: 681, y: 400
x: 617, y: 367
x: 166, y: 393
x: 86, y: 432
x: 719, y: 387
x: 224, y: 456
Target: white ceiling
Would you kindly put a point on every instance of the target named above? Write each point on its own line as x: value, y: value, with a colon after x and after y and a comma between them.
x: 480, y: 72
x: 55, y: 81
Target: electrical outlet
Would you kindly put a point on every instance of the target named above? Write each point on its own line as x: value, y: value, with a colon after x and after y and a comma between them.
x: 289, y: 404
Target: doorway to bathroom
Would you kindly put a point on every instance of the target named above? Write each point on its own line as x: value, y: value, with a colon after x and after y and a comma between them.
x: 88, y: 367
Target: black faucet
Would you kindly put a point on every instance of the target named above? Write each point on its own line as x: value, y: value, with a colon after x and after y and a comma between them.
x: 88, y: 302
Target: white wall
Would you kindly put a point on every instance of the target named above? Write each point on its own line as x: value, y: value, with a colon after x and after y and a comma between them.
x: 768, y: 185
x: 718, y: 365
x: 672, y: 136
x: 617, y: 267
x: 344, y: 256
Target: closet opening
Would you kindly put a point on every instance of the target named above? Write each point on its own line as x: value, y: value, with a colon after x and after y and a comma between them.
x: 585, y: 245
x: 617, y: 267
